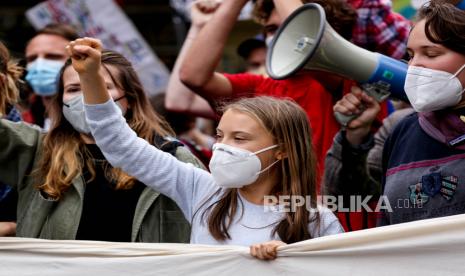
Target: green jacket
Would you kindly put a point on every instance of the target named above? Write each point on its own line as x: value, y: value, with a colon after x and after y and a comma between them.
x: 157, y: 218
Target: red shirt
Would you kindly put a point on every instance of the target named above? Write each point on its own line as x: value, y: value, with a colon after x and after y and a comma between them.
x: 307, y: 92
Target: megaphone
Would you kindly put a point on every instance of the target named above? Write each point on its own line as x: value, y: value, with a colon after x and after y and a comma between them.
x: 306, y: 41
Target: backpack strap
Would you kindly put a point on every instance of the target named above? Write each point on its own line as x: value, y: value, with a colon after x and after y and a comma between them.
x: 167, y: 144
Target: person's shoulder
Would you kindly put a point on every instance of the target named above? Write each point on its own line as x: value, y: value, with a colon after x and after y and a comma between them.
x: 184, y: 155
x: 22, y: 126
x: 398, y: 116
x: 406, y: 124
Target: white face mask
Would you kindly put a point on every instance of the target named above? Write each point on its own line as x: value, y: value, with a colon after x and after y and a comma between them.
x: 431, y: 90
x: 73, y: 111
x: 233, y: 167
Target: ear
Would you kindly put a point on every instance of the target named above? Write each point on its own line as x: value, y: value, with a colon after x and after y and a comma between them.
x: 280, y: 155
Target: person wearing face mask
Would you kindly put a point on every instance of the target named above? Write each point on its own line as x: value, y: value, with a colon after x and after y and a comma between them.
x: 67, y: 189
x: 263, y: 149
x: 314, y: 91
x: 423, y: 158
x: 45, y: 55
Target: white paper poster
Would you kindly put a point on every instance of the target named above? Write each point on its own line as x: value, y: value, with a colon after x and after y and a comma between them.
x: 105, y: 20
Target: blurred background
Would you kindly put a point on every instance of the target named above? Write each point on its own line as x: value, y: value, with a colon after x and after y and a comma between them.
x: 163, y: 27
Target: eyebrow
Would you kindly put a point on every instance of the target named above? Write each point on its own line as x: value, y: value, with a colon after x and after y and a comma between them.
x: 426, y: 47
x: 235, y: 132
x: 72, y: 85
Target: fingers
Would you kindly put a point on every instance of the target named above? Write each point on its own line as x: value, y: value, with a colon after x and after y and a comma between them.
x: 369, y: 101
x: 350, y: 104
x: 355, y: 102
x: 7, y: 229
x: 207, y: 6
x: 259, y: 251
x: 89, y: 41
x: 265, y: 251
x: 84, y: 47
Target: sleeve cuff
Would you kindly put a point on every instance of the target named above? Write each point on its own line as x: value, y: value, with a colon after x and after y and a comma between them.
x: 366, y: 146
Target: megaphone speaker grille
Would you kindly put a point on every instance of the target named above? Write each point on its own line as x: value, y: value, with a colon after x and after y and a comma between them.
x: 296, y: 41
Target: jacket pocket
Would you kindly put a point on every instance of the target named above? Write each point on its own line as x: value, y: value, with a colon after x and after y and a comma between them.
x: 174, y: 228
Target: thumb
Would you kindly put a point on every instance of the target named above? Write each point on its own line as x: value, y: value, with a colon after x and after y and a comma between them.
x: 368, y: 100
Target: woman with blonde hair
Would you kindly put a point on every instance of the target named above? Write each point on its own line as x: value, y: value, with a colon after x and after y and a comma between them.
x: 66, y: 188
x: 263, y: 155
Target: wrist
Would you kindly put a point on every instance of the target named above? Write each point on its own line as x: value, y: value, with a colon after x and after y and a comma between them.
x: 91, y: 74
x: 357, y: 136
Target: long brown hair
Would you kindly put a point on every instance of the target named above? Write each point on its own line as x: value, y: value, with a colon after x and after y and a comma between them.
x: 287, y: 122
x: 10, y: 72
x: 445, y: 24
x: 65, y: 154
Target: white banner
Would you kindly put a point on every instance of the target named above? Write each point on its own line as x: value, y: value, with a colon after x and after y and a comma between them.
x: 183, y: 7
x: 105, y: 20
x: 428, y: 247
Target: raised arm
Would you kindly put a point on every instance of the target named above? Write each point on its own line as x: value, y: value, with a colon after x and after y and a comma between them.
x: 198, y: 69
x: 180, y: 98
x: 120, y: 144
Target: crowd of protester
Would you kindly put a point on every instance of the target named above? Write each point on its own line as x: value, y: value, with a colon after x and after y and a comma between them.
x: 89, y: 156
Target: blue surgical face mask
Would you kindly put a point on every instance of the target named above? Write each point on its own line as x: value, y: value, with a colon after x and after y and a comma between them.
x: 42, y: 76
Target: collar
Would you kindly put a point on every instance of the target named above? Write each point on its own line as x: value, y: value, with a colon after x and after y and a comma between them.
x: 445, y: 126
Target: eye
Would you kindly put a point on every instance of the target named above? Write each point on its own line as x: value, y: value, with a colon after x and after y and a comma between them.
x: 239, y: 139
x: 55, y: 56
x: 409, y: 55
x: 73, y: 90
x: 271, y: 29
x: 432, y: 54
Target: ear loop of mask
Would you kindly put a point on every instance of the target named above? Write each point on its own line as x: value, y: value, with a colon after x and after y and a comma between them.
x: 114, y: 81
x: 455, y: 76
x: 458, y: 72
x: 115, y: 100
x: 272, y: 164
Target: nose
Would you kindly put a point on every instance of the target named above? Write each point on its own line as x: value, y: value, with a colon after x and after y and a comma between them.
x: 416, y: 60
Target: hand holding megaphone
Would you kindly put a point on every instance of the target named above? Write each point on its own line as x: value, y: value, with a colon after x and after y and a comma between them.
x: 305, y: 41
x: 363, y: 109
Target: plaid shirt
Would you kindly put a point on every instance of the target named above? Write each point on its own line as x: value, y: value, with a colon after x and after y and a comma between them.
x: 13, y: 115
x: 379, y: 29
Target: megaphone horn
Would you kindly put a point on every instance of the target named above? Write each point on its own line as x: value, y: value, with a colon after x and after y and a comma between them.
x: 306, y: 41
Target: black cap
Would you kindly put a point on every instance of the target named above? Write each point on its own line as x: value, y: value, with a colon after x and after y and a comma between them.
x: 248, y: 45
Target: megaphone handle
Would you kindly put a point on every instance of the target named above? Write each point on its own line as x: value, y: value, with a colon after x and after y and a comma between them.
x: 344, y: 120
x: 379, y: 91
